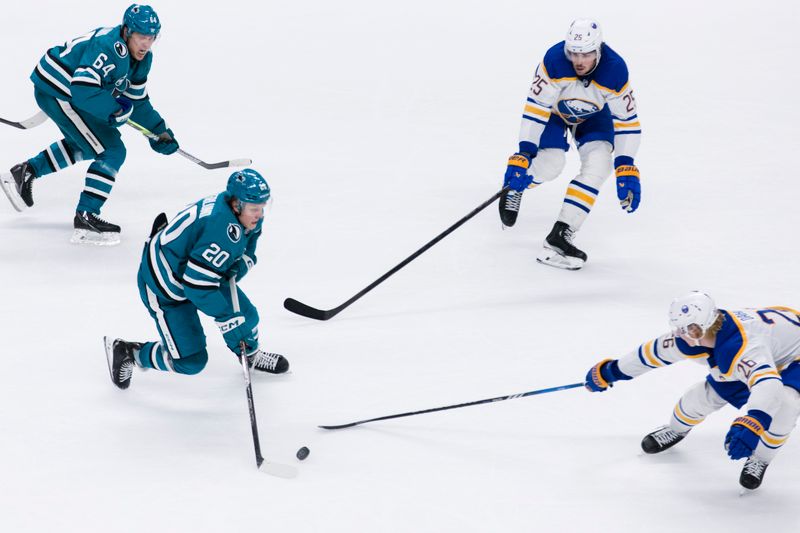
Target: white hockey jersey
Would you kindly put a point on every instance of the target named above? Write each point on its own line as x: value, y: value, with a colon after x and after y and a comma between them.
x: 753, y: 347
x: 556, y: 88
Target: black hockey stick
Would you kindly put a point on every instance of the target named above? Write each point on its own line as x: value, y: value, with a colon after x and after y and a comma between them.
x: 210, y: 166
x: 275, y: 469
x: 318, y: 314
x: 28, y: 123
x: 457, y: 406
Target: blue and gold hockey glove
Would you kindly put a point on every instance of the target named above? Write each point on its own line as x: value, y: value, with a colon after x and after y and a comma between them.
x: 166, y: 143
x: 629, y: 189
x: 745, y: 433
x: 241, y: 267
x: 122, y: 115
x: 517, y: 177
x: 602, y: 375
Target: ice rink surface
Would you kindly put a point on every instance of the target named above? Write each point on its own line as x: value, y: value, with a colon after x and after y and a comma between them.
x: 379, y: 124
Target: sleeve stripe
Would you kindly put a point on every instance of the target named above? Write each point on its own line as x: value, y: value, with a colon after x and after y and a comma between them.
x: 206, y: 272
x: 84, y: 81
x: 642, y: 359
x: 542, y: 122
x: 537, y: 111
x: 655, y: 352
x: 203, y: 283
x: 627, y: 132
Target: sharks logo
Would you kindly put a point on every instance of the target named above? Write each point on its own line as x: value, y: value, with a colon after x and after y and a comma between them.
x: 575, y: 110
x: 234, y: 232
x: 121, y: 49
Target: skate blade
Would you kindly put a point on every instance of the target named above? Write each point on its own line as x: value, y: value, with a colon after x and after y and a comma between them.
x: 109, y: 345
x: 83, y: 236
x: 278, y: 470
x: 555, y: 259
x: 10, y: 188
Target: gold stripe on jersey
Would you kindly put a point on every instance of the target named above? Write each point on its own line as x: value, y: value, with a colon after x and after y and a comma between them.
x: 762, y: 374
x: 738, y: 355
x: 536, y: 110
x: 608, y: 90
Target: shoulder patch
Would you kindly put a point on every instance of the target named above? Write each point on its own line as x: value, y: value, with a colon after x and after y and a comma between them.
x: 121, y: 49
x: 234, y: 232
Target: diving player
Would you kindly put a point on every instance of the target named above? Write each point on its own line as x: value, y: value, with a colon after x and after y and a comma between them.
x: 184, y: 270
x: 753, y: 357
x: 581, y: 86
x: 90, y: 86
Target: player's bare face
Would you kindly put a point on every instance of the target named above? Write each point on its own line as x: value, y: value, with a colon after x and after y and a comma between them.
x: 139, y: 44
x: 583, y: 63
x: 692, y: 335
x: 250, y: 214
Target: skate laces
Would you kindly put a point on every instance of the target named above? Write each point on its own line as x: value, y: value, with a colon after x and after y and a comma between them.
x: 568, y: 234
x: 755, y: 468
x: 265, y: 360
x: 125, y: 371
x: 513, y: 200
x: 664, y: 436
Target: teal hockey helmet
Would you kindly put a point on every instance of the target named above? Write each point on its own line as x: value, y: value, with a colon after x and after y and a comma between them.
x: 141, y: 19
x: 248, y: 186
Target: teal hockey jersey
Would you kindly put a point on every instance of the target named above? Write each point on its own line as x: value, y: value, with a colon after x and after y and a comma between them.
x: 90, y: 71
x: 190, y: 257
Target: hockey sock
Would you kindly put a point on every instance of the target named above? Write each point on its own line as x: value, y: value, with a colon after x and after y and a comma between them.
x: 55, y: 157
x: 152, y: 356
x: 578, y: 202
x: 99, y: 182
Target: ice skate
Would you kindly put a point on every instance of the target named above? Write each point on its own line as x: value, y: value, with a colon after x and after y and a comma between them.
x: 509, y: 208
x: 91, y: 229
x: 661, y: 439
x: 271, y: 363
x: 753, y: 473
x: 18, y: 185
x: 119, y: 354
x: 559, y: 251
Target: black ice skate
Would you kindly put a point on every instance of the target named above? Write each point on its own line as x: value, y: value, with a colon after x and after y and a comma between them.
x: 91, y: 229
x: 119, y: 354
x: 753, y: 473
x: 272, y: 363
x: 18, y: 185
x: 509, y: 208
x: 661, y: 439
x: 559, y: 251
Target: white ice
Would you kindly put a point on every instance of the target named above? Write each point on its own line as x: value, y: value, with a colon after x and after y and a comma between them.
x: 379, y: 124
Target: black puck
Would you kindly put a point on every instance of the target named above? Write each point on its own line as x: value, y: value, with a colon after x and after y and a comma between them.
x: 302, y: 453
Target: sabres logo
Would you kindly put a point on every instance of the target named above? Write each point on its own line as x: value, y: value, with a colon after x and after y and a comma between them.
x: 121, y: 49
x: 234, y: 232
x: 575, y: 110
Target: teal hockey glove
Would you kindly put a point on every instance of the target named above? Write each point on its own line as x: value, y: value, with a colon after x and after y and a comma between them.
x: 166, y: 143
x: 234, y: 331
x: 240, y: 268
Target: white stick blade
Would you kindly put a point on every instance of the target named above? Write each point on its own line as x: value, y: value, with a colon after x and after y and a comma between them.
x: 278, y: 469
x: 240, y: 162
x: 35, y: 120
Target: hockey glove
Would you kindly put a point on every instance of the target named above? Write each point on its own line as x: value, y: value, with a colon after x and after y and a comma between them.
x: 745, y: 433
x: 629, y: 190
x: 517, y: 177
x: 122, y: 115
x: 234, y: 331
x: 240, y: 268
x: 166, y: 143
x: 602, y: 375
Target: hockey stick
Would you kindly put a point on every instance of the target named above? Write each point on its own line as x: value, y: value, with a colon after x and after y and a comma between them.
x: 28, y: 123
x: 275, y: 469
x: 458, y: 406
x: 318, y: 314
x: 210, y: 166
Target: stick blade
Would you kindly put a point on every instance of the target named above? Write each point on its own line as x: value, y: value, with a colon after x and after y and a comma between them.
x: 240, y: 162
x: 340, y: 426
x: 278, y: 470
x: 299, y: 308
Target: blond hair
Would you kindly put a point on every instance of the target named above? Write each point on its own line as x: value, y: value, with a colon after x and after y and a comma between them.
x: 716, y: 326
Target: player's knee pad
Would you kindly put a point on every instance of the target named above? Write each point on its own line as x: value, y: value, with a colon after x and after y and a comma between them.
x: 192, y: 364
x: 547, y: 165
x: 596, y: 162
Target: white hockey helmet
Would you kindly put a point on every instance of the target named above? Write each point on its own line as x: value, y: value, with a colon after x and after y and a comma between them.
x: 584, y: 36
x: 695, y: 308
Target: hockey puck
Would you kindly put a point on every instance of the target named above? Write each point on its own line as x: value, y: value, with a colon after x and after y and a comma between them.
x: 302, y: 453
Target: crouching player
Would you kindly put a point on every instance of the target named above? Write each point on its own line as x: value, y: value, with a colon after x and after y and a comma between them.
x: 185, y: 268
x: 753, y: 357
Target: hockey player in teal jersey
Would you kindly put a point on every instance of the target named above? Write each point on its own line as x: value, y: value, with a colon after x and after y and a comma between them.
x: 752, y: 358
x: 90, y: 86
x: 184, y: 270
x: 582, y: 86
